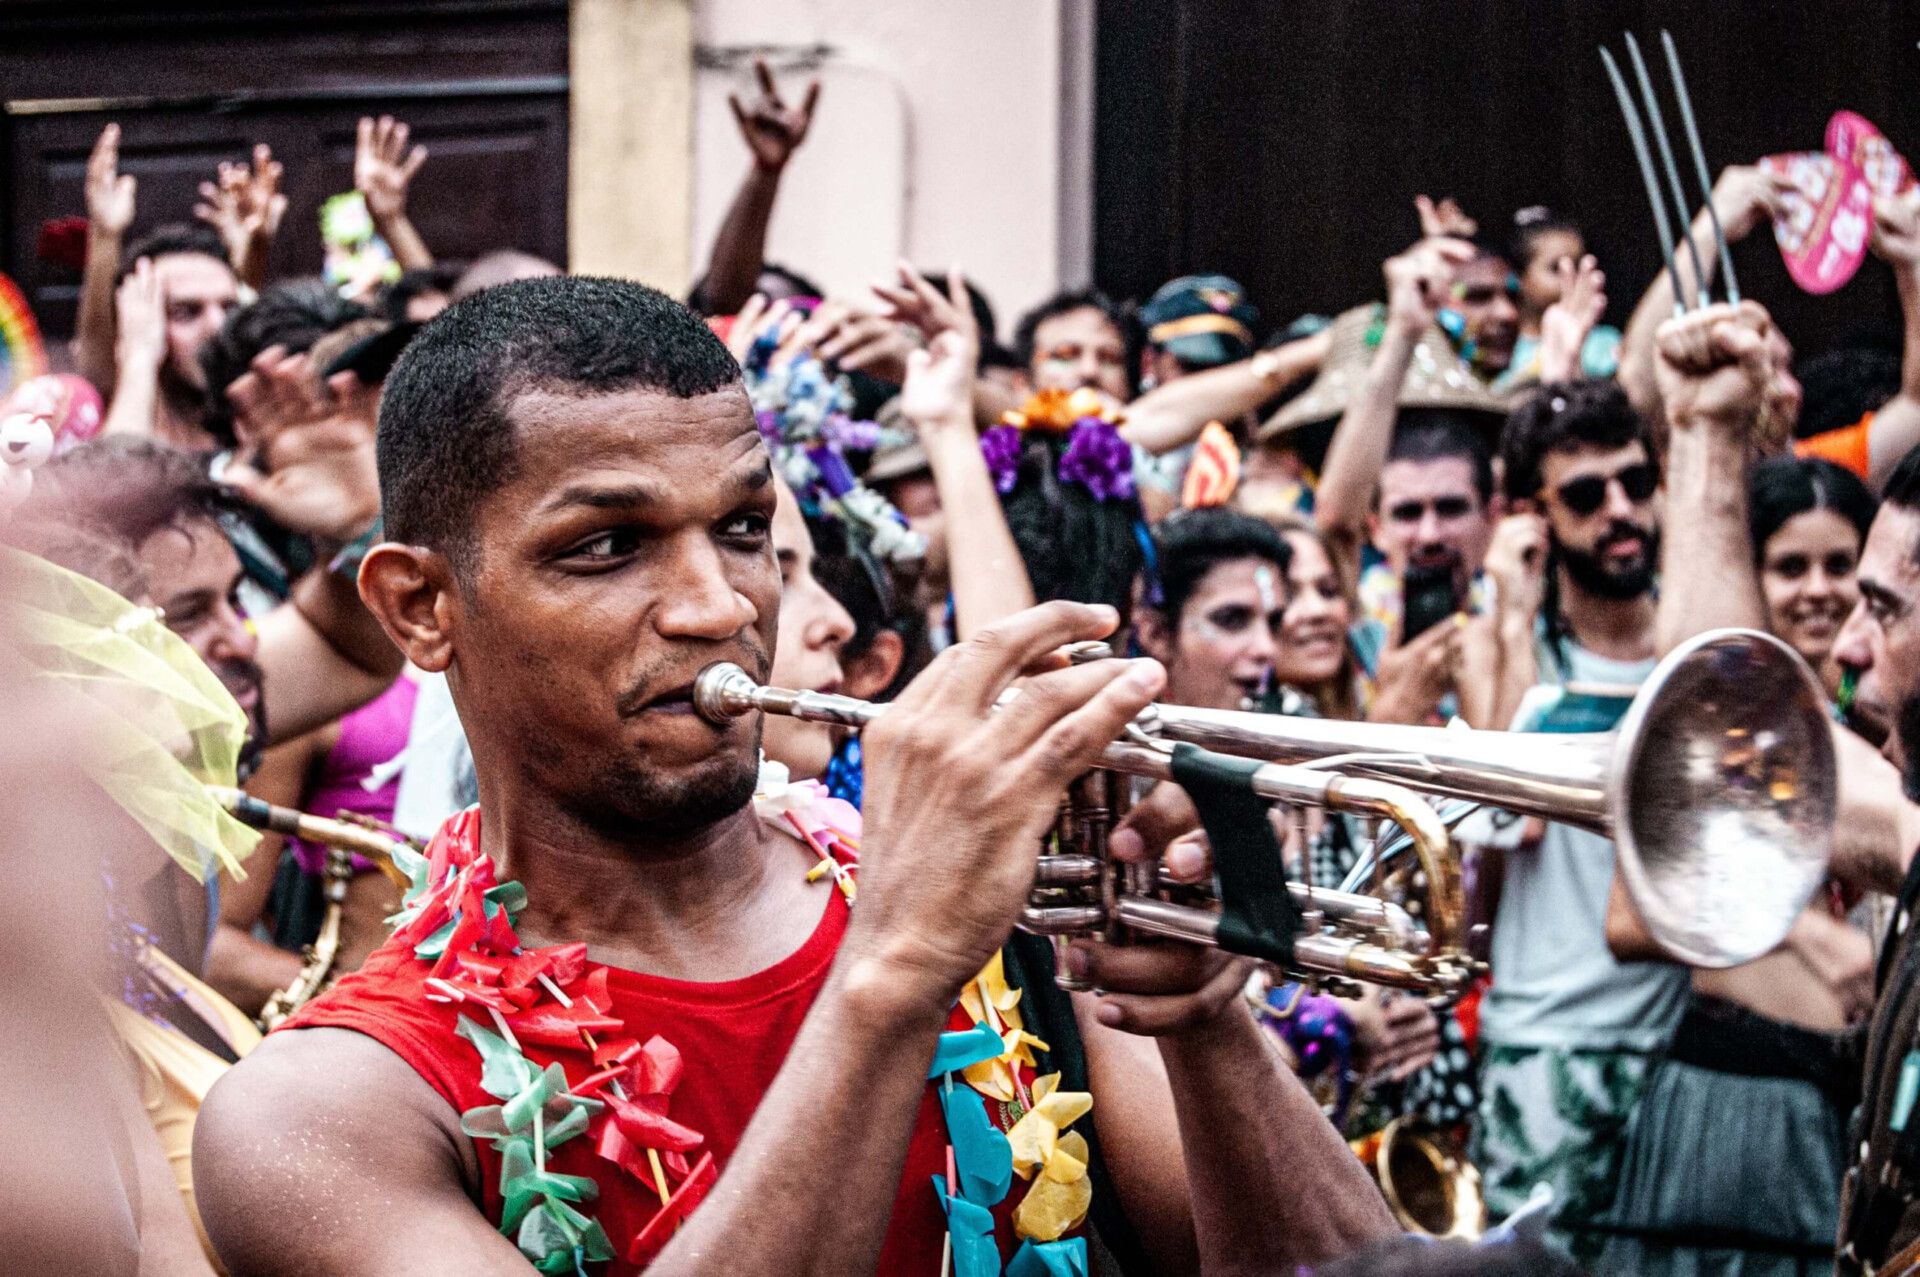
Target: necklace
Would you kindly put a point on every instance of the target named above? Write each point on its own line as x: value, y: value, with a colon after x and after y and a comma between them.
x: 459, y: 917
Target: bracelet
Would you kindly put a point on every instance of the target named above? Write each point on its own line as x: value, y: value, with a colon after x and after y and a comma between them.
x: 347, y: 562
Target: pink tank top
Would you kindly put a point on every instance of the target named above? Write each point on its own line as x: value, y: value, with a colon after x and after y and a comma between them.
x: 369, y: 736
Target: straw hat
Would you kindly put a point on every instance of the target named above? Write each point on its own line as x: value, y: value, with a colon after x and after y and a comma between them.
x: 1437, y: 377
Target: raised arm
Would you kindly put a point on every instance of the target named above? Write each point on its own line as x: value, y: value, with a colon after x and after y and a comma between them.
x: 1744, y: 198
x: 310, y: 467
x: 139, y: 349
x: 383, y: 170
x: 245, y: 206
x: 984, y: 567
x: 772, y: 131
x: 1712, y: 375
x: 1896, y: 425
x: 110, y: 195
x: 1172, y: 416
x: 1417, y: 284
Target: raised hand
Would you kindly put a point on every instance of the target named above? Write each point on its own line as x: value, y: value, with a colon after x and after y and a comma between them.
x: 1443, y: 219
x: 1745, y: 196
x: 1896, y: 229
x: 773, y: 131
x: 1419, y: 280
x: 245, y: 205
x: 939, y: 382
x: 855, y: 339
x: 1516, y: 562
x: 959, y: 792
x: 307, y: 448
x: 140, y: 307
x: 1566, y: 323
x: 383, y: 167
x: 1713, y: 366
x: 109, y: 192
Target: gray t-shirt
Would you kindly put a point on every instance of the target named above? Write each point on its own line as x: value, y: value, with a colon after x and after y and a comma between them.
x: 1555, y: 984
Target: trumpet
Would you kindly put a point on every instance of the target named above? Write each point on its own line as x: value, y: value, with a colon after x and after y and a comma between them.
x: 1718, y: 789
x: 341, y: 840
x: 1080, y: 891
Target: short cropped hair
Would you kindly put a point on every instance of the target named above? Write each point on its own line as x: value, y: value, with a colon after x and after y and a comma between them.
x: 446, y: 431
x: 1430, y: 434
x: 1191, y: 543
x: 1563, y: 416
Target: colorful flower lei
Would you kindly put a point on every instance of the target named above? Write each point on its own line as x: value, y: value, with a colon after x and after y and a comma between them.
x: 1096, y: 457
x: 458, y: 916
x: 805, y: 415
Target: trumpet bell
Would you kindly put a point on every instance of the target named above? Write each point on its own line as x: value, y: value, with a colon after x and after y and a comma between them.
x: 1723, y: 795
x: 1718, y: 788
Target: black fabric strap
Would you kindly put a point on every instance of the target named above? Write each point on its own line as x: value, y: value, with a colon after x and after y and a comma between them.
x: 1258, y: 916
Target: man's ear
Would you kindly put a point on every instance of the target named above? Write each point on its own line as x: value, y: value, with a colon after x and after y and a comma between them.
x: 1524, y: 505
x: 1155, y: 635
x: 1497, y: 507
x: 410, y: 591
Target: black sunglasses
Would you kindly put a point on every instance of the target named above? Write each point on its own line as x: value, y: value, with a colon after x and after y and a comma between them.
x: 1443, y: 508
x: 1589, y: 492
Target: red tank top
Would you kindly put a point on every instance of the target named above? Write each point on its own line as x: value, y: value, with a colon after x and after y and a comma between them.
x: 732, y: 1037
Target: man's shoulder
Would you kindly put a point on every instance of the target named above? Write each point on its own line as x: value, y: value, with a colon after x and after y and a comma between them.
x: 313, y: 1134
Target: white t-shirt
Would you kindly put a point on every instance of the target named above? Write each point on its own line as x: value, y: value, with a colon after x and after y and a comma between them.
x: 1555, y: 984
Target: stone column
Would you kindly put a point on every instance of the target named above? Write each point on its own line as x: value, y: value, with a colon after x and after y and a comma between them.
x: 630, y: 161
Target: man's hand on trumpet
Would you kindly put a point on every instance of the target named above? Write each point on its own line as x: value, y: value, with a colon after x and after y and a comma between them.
x: 1151, y: 987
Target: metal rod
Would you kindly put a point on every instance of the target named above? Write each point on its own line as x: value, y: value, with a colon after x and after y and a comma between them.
x: 1658, y: 122
x: 1640, y: 152
x: 1685, y: 100
x: 372, y: 844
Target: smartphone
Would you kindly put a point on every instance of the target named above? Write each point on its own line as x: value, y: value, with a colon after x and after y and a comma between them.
x: 1428, y: 598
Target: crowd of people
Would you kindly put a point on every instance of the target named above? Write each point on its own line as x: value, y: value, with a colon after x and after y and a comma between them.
x: 457, y: 539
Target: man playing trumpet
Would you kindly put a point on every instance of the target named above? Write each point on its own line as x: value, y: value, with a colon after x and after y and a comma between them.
x: 679, y: 1005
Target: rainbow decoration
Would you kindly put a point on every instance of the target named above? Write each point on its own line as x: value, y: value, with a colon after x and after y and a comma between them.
x: 23, y: 355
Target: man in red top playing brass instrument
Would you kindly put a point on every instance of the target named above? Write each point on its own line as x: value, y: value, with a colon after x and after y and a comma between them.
x: 581, y: 513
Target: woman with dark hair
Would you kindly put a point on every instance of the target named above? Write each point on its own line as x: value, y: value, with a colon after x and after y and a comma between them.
x: 1808, y: 520
x: 1214, y: 611
x: 1065, y: 478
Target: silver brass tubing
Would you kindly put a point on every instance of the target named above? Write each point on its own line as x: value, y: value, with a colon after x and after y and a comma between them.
x: 1057, y: 920
x: 1659, y: 129
x: 1068, y: 871
x: 1685, y: 100
x: 1558, y: 776
x: 1639, y: 137
x: 371, y: 843
x: 1319, y: 954
x: 725, y: 691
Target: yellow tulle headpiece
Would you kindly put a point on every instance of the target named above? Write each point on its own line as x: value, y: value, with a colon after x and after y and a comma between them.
x: 157, y: 725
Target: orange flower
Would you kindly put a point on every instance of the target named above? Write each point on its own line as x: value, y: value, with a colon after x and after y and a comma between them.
x: 1053, y: 409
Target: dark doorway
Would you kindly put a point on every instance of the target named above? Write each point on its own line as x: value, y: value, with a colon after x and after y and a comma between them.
x: 1284, y: 143
x: 483, y: 85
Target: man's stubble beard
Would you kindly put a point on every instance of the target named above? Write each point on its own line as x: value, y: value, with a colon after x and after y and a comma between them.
x: 628, y: 801
x: 1591, y: 572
